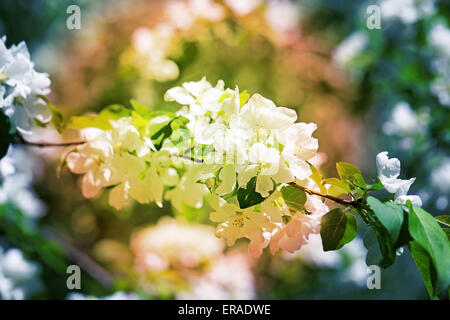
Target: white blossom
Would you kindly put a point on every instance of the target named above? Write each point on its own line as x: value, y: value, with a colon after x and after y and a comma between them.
x: 349, y: 48
x: 21, y: 88
x: 388, y: 172
x: 18, y: 277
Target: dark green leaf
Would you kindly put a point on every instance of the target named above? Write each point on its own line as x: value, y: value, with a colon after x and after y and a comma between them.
x: 295, y: 198
x: 445, y: 220
x: 6, y: 137
x: 389, y: 214
x: 428, y: 234
x: 350, y: 230
x: 333, y: 229
x: 425, y: 266
x: 447, y: 232
x: 248, y: 197
x: 374, y: 255
x: 162, y: 131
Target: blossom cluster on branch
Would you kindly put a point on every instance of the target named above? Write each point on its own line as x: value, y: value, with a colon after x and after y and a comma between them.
x: 242, y: 150
x: 246, y: 156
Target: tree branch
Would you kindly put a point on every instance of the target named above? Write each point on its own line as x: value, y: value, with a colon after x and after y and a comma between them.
x: 326, y: 196
x: 21, y: 140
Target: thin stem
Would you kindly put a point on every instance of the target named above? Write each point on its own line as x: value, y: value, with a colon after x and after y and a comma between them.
x: 326, y: 196
x: 21, y: 140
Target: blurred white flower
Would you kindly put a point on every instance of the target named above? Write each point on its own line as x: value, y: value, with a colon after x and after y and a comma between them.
x: 21, y: 87
x: 353, y: 252
x: 388, y: 172
x: 241, y: 8
x: 172, y: 242
x: 229, y: 277
x: 439, y: 38
x: 408, y: 11
x: 120, y: 295
x: 349, y: 48
x: 16, y: 176
x: 183, y: 14
x: 440, y: 87
x: 18, y: 277
x: 440, y: 176
x: 152, y: 48
x: 404, y: 121
x: 283, y: 16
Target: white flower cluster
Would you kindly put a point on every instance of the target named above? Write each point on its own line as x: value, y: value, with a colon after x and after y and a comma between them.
x: 124, y: 160
x: 18, y: 277
x: 22, y: 88
x: 236, y: 144
x: 388, y: 172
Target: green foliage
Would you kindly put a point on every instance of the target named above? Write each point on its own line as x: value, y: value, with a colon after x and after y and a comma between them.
x: 248, y: 197
x: 243, y: 97
x: 351, y: 174
x: 390, y: 215
x: 337, y: 187
x: 428, y: 234
x: 6, y: 135
x: 425, y: 267
x: 445, y: 220
x: 294, y: 198
x: 162, y: 131
x: 338, y: 228
x: 100, y: 121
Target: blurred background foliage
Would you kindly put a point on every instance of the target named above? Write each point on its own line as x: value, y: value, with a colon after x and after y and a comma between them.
x: 368, y: 91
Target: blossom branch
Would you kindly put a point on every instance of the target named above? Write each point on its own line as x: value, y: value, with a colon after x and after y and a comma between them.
x: 326, y: 196
x: 23, y: 141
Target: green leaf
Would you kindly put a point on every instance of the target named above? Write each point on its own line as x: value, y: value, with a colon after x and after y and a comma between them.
x: 243, y: 97
x: 83, y: 122
x: 100, y: 121
x: 445, y: 220
x: 375, y: 186
x: 141, y: 109
x: 350, y: 230
x: 295, y: 198
x: 385, y: 247
x: 248, y: 197
x: 6, y: 137
x: 447, y: 232
x: 350, y: 173
x: 161, y: 131
x: 337, y: 187
x: 114, y: 112
x: 57, y: 118
x: 428, y: 234
x: 374, y: 255
x: 425, y: 266
x: 317, y: 178
x: 333, y: 229
x: 390, y: 215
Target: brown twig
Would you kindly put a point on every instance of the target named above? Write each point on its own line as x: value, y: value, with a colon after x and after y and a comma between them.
x: 21, y: 140
x: 326, y: 196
